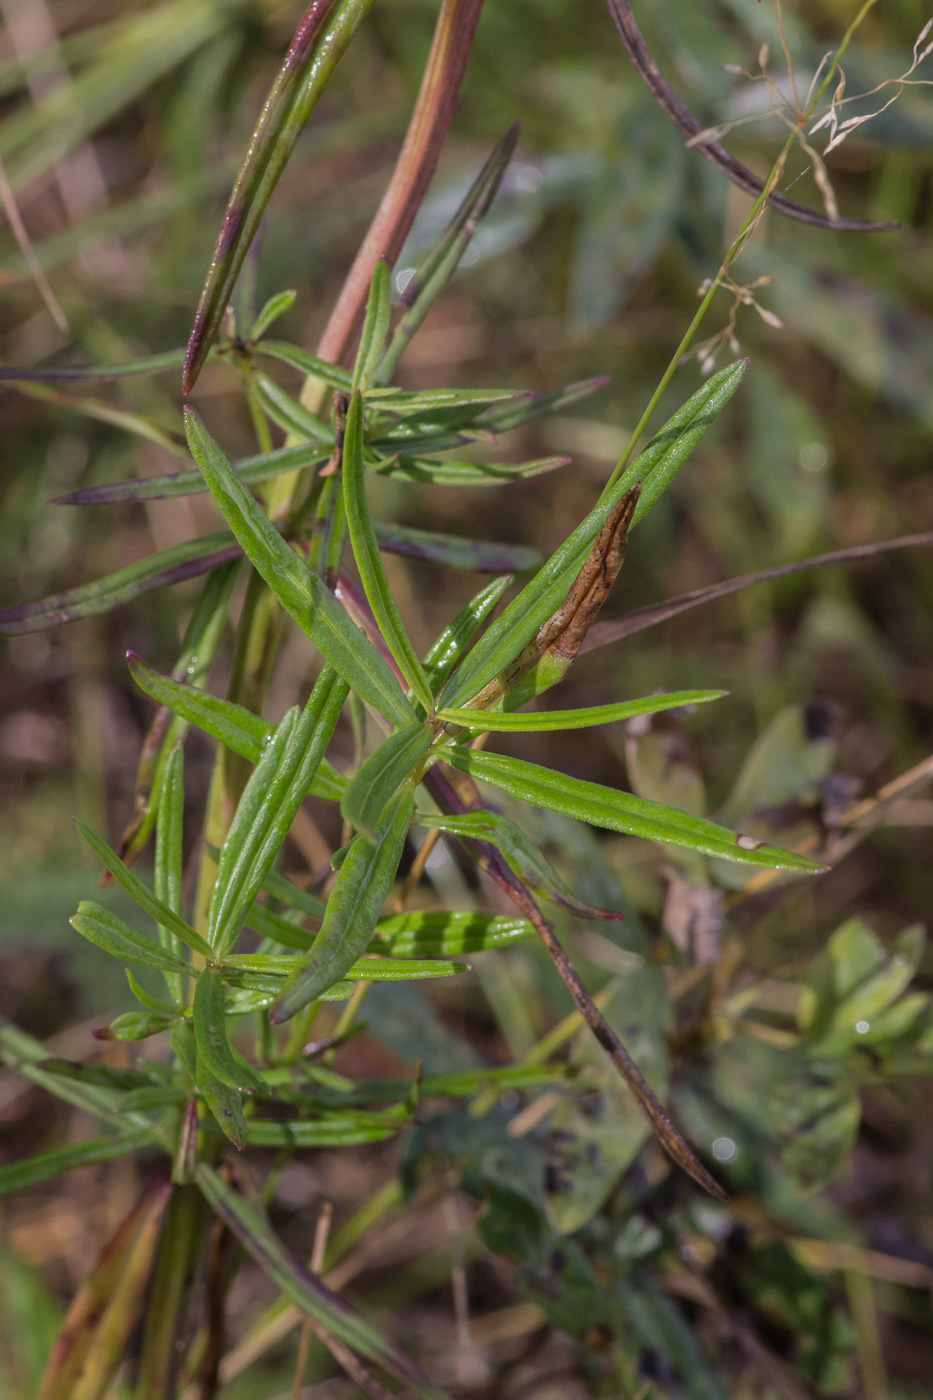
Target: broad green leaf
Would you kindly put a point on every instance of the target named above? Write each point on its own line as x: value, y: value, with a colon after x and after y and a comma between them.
x: 301, y: 592
x: 290, y: 415
x: 210, y: 1035
x: 667, y: 451
x: 108, y: 931
x: 293, y: 355
x: 449, y: 647
x: 540, y: 598
x: 49, y: 1165
x: 442, y: 934
x: 375, y: 327
x: 150, y: 903
x: 439, y: 266
x: 157, y: 571
x: 369, y: 563
x: 620, y: 811
x: 321, y: 39
x: 454, y: 552
x: 275, y: 307
x: 271, y: 798
x: 534, y: 720
x: 355, y: 903
x: 444, y: 473
x: 168, y: 870
x: 522, y: 856
x: 251, y: 470
x: 304, y: 1288
x: 381, y: 776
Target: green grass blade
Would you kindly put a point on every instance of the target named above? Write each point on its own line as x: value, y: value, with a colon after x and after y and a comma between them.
x: 49, y: 1165
x: 381, y: 776
x: 302, y: 593
x: 118, y: 938
x: 155, y: 907
x: 622, y: 811
x: 323, y: 35
x: 375, y: 327
x: 522, y: 856
x: 369, y: 563
x: 540, y: 598
x: 304, y: 1288
x: 442, y: 262
x: 233, y: 725
x: 158, y: 571
x: 360, y: 889
x: 442, y: 934
x: 275, y: 791
x: 210, y: 1035
x: 533, y: 721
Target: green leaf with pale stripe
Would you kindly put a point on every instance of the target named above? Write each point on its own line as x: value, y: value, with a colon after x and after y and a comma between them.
x: 381, y: 776
x: 532, y: 721
x: 375, y: 326
x: 452, y: 642
x: 443, y: 933
x: 369, y: 560
x: 118, y: 938
x: 210, y: 1036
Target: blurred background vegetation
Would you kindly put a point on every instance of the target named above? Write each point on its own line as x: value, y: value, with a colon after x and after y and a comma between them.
x: 121, y: 127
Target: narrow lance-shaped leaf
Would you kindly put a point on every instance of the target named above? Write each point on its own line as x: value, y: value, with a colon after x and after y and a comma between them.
x: 375, y: 327
x: 94, y: 374
x: 210, y: 1036
x: 251, y: 470
x: 318, y: 44
x: 157, y: 909
x: 450, y: 645
x: 621, y: 811
x: 275, y: 307
x: 382, y: 775
x: 103, y: 412
x: 326, y: 1132
x: 443, y: 933
x: 439, y: 472
x: 18, y: 1175
x: 369, y: 563
x: 442, y: 262
x: 302, y: 593
x: 360, y: 889
x: 118, y: 938
x: 27, y: 1055
x: 239, y: 729
x: 305, y: 1289
x: 539, y: 600
x: 534, y: 721
x: 309, y: 364
x: 523, y: 857
x: 289, y: 415
x: 160, y: 570
x: 264, y: 815
x: 454, y: 552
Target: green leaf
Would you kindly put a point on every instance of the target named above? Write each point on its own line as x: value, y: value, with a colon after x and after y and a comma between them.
x: 304, y: 1288
x: 445, y: 473
x: 290, y: 893
x: 369, y: 563
x: 153, y: 1004
x: 355, y: 903
x: 667, y: 451
x: 276, y: 789
x: 439, y: 266
x: 375, y: 327
x: 381, y: 776
x: 367, y: 969
x: 540, y: 598
x: 311, y: 59
x: 449, y: 647
x: 251, y: 470
x: 522, y: 856
x: 620, y: 811
x: 27, y: 1055
x: 210, y: 1036
x: 147, y: 901
x: 454, y: 552
x: 271, y: 925
x: 290, y: 415
x: 118, y: 938
x: 275, y: 307
x: 328, y: 1132
x: 158, y: 571
x: 530, y: 721
x: 49, y: 1165
x: 301, y: 592
x: 134, y: 1025
x: 168, y: 870
x: 94, y: 374
x: 422, y: 405
x: 441, y: 934
x: 224, y: 1102
x: 309, y: 364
